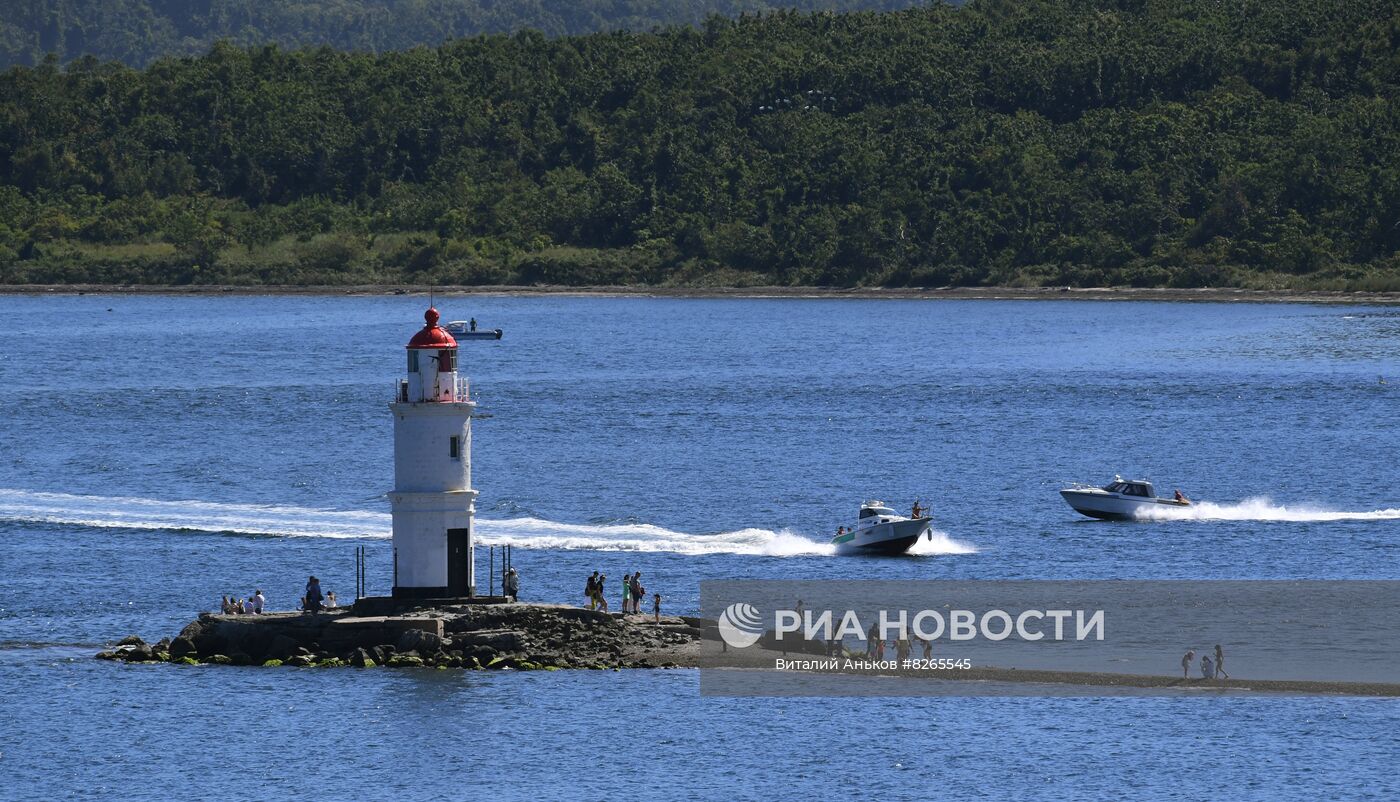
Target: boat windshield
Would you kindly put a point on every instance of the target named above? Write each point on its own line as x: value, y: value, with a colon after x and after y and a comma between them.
x: 1130, y: 489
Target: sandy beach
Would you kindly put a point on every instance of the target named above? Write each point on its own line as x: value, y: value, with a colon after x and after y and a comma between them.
x: 758, y: 659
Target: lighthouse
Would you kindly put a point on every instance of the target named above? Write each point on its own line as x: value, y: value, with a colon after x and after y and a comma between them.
x: 433, y: 500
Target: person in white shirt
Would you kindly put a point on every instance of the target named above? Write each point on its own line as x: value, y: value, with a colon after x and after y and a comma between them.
x: 247, y: 606
x: 330, y: 599
x: 258, y: 601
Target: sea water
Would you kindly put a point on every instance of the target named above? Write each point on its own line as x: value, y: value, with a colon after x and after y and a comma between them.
x: 158, y: 452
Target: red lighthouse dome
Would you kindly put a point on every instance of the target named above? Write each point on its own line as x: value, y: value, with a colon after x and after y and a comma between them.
x: 432, y: 335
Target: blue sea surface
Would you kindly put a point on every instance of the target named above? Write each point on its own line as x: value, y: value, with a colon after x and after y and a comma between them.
x: 157, y: 452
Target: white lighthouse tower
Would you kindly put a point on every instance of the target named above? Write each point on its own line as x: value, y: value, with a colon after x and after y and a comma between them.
x: 433, y: 500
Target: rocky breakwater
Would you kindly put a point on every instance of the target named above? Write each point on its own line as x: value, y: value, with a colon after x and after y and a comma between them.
x: 495, y: 636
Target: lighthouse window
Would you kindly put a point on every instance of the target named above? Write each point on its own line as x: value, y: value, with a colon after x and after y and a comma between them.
x: 412, y: 361
x: 447, y: 360
x: 454, y: 447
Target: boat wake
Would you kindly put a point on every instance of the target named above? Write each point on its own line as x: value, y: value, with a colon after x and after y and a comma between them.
x: 199, y: 516
x: 940, y: 543
x: 288, y: 521
x: 1259, y: 509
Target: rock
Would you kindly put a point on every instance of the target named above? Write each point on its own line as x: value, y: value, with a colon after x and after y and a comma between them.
x: 298, y: 660
x: 405, y: 661
x: 481, y: 654
x: 186, y: 661
x: 107, y: 655
x: 501, y: 641
x: 182, y: 646
x: 362, y: 659
x: 196, y: 627
x: 331, y: 662
x: 382, y: 654
x: 241, y: 659
x: 273, y: 663
x: 219, y: 660
x: 208, y: 644
x: 416, y: 640
x: 281, y: 647
x: 131, y: 640
x: 140, y: 653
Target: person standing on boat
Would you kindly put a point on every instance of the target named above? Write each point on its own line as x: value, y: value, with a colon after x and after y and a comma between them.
x: 1181, y: 497
x: 473, y: 324
x: 917, y: 510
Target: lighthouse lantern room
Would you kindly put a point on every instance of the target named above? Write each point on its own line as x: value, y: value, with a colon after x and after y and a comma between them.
x: 433, y: 500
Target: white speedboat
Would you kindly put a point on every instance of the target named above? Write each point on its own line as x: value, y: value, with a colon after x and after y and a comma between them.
x: 879, y: 530
x: 1119, y: 499
x: 466, y: 330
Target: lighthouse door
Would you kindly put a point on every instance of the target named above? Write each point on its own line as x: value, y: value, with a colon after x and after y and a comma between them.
x: 458, y: 563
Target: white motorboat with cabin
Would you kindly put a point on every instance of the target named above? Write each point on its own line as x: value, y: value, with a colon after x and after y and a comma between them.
x: 1119, y: 499
x: 467, y: 330
x: 880, y: 530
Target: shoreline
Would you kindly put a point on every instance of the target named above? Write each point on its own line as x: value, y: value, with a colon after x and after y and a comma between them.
x: 490, y: 633
x: 1200, y: 295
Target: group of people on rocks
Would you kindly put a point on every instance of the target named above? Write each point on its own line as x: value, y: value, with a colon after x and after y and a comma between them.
x: 632, y: 594
x: 253, y: 605
x: 312, y: 601
x: 1210, y: 669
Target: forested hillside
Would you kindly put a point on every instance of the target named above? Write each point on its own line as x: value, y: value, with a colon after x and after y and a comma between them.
x: 136, y: 32
x: 1144, y: 142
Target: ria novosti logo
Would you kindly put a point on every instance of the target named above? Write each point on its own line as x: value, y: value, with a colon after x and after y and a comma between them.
x: 740, y: 625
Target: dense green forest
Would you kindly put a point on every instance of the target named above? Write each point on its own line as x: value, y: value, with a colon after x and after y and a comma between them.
x: 1013, y: 142
x: 137, y: 32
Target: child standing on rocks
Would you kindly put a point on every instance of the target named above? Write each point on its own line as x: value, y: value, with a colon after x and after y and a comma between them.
x: 656, y: 606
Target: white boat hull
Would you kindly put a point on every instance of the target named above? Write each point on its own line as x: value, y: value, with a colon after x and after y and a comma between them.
x: 894, y: 537
x: 1111, y: 506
